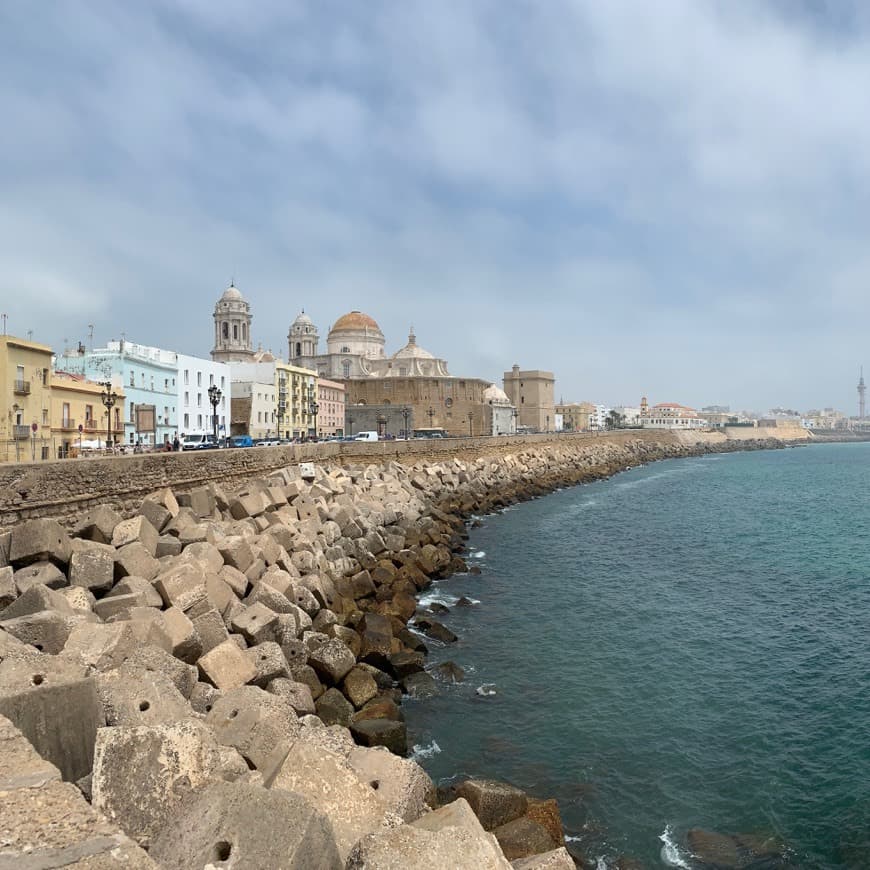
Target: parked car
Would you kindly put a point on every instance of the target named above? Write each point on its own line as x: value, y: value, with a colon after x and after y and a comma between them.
x: 208, y: 444
x: 366, y: 436
x: 267, y: 442
x: 241, y: 441
x: 193, y: 442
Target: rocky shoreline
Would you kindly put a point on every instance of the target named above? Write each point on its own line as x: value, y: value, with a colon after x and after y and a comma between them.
x: 214, y: 679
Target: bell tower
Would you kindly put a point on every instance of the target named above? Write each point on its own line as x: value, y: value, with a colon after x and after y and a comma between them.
x: 302, y: 340
x: 232, y: 328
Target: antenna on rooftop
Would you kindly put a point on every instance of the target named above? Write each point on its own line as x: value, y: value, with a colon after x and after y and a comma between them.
x: 91, y: 335
x: 30, y: 335
x: 862, y: 389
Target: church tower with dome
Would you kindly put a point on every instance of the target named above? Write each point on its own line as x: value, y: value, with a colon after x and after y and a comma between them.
x: 302, y: 340
x: 232, y: 328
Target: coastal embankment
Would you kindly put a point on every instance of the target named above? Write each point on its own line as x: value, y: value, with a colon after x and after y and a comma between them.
x: 203, y: 656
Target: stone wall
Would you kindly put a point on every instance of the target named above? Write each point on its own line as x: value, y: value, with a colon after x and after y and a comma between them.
x: 65, y: 488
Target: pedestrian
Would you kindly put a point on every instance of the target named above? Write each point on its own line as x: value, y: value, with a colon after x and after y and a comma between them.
x: 176, y: 444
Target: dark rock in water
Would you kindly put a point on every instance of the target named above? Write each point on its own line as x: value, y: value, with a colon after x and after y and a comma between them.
x: 465, y: 602
x: 382, y: 707
x: 494, y: 803
x: 475, y: 570
x: 420, y: 685
x: 458, y: 565
x: 736, y: 851
x: 412, y: 641
x: 404, y: 663
x: 523, y: 837
x: 434, y: 629
x: 476, y: 524
x: 381, y: 732
x: 449, y: 671
x: 438, y: 607
x: 333, y: 708
x: 546, y: 813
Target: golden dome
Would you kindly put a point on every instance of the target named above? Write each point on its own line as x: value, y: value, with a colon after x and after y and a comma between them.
x: 355, y: 320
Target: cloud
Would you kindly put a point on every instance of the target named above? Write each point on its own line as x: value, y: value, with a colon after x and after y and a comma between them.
x: 627, y: 194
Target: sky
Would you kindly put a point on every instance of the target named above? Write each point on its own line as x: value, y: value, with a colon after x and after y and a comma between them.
x: 661, y: 198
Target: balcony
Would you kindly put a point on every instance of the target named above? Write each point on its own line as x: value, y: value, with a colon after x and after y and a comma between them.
x: 67, y: 423
x: 21, y: 388
x: 21, y: 433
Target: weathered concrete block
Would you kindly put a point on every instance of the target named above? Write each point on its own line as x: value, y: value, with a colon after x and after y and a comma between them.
x: 401, y: 783
x: 434, y: 840
x: 206, y: 555
x: 269, y: 661
x: 21, y: 766
x: 39, y: 541
x: 92, y: 569
x: 557, y: 859
x: 226, y: 667
x: 359, y: 687
x: 211, y: 630
x: 256, y: 723
x: 102, y: 647
x: 236, y: 552
x: 256, y: 624
x: 56, y: 706
x: 36, y: 599
x: 251, y: 828
x: 167, y: 545
x: 156, y: 514
x: 523, y: 837
x: 181, y: 586
x: 390, y: 733
x: 98, y: 524
x: 249, y: 504
x: 200, y: 500
x: 297, y: 695
x: 8, y: 590
x: 133, y: 585
x: 144, y: 774
x: 136, y: 559
x: 332, y: 661
x: 354, y: 809
x: 334, y: 709
x: 494, y: 803
x: 184, y: 638
x: 134, y: 696
x: 136, y: 529
x: 276, y: 601
x: 39, y: 574
x: 152, y: 658
x: 235, y: 579
x: 118, y: 605
x: 46, y: 630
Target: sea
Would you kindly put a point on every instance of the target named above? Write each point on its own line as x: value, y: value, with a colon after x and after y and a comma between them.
x: 683, y: 646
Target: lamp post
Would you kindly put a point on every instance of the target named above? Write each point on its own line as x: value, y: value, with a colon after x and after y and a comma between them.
x: 406, y: 412
x: 214, y: 396
x: 350, y: 423
x: 515, y: 413
x: 280, y: 418
x: 108, y: 397
x: 314, y: 408
x: 548, y: 422
x: 471, y: 423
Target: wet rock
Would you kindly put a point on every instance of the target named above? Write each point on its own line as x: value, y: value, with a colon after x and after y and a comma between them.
x: 449, y: 671
x: 523, y: 837
x: 381, y: 732
x: 495, y: 803
x: 435, y: 630
x: 420, y: 685
x: 334, y: 709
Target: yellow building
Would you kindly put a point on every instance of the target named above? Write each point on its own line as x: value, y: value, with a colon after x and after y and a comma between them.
x: 575, y: 415
x: 25, y: 375
x: 79, y: 416
x: 295, y: 394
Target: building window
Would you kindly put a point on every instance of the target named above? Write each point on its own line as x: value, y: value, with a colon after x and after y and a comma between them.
x: 186, y: 421
x: 132, y: 412
x: 345, y: 367
x: 166, y: 385
x: 186, y: 377
x: 345, y: 350
x: 222, y: 382
x: 132, y: 379
x: 226, y: 330
x: 199, y: 379
x: 186, y: 398
x: 89, y: 413
x: 235, y: 332
x: 199, y: 400
x: 199, y: 420
x: 211, y: 380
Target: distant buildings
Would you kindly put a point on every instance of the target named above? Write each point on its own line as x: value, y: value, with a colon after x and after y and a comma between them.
x: 25, y: 375
x: 669, y: 415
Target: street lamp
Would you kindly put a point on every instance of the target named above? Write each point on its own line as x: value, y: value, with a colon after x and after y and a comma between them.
x: 406, y: 412
x: 108, y: 397
x: 471, y: 423
x: 214, y: 396
x: 350, y: 423
x: 314, y: 408
x: 515, y: 413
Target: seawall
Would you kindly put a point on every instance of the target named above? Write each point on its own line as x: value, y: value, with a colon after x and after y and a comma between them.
x: 64, y: 489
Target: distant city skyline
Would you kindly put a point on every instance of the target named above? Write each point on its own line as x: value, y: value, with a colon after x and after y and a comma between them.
x: 662, y: 199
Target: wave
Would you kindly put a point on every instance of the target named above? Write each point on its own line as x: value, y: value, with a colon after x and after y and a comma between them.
x: 424, y: 750
x: 478, y: 554
x: 671, y: 853
x: 435, y: 596
x: 487, y: 690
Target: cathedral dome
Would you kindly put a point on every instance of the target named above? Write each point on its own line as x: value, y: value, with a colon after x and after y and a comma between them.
x: 232, y: 294
x: 412, y: 350
x: 354, y: 320
x: 494, y: 395
x: 302, y: 319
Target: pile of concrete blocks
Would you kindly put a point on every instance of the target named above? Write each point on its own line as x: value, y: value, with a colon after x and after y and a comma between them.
x: 214, y: 664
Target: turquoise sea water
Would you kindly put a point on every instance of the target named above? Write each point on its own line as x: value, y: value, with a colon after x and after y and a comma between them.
x: 682, y: 646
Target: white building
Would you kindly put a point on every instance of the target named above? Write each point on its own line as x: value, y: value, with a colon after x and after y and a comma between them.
x: 630, y: 416
x: 670, y: 415
x: 598, y: 417
x: 253, y: 408
x: 195, y: 376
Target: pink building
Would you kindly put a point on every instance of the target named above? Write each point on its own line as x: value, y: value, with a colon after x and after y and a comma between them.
x: 330, y: 411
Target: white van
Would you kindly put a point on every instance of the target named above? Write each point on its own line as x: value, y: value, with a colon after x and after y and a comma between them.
x: 366, y: 436
x: 194, y: 442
